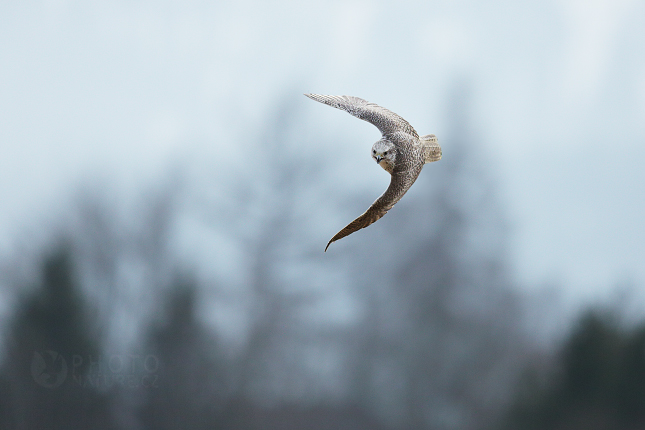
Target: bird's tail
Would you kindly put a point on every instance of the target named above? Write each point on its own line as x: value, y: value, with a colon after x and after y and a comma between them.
x: 431, y: 148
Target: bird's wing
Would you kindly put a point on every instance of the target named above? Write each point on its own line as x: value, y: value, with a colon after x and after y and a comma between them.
x: 385, y: 120
x: 399, y: 185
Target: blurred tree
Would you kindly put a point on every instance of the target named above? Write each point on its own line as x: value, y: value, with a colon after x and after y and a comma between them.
x: 189, y: 386
x: 45, y: 383
x: 271, y: 365
x: 85, y: 314
x: 596, y: 383
x: 123, y: 258
x: 440, y: 344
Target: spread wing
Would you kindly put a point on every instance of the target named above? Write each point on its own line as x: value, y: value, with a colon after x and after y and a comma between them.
x: 386, y: 121
x: 399, y: 185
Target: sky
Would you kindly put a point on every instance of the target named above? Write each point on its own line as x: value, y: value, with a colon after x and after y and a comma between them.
x: 120, y: 92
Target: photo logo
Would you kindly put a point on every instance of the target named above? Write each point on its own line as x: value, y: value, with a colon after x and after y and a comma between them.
x: 48, y: 368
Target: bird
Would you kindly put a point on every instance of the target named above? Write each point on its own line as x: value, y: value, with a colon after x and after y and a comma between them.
x: 400, y: 151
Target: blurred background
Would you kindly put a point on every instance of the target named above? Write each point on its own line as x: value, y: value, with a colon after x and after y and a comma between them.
x: 166, y: 193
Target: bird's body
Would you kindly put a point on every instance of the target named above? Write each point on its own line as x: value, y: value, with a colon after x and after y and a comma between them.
x: 400, y: 151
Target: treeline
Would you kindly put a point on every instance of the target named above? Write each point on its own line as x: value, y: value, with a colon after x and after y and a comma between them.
x: 56, y: 373
x: 596, y: 379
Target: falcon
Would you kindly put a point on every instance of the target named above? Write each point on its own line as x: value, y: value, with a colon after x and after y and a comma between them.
x: 400, y: 151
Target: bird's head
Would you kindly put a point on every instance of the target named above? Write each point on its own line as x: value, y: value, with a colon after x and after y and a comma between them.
x: 384, y: 153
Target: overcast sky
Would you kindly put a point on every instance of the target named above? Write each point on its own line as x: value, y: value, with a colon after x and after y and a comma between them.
x: 120, y: 90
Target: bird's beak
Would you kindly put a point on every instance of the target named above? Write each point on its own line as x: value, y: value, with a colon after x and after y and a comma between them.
x: 378, y: 158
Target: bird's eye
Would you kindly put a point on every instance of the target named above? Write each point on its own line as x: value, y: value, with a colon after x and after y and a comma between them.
x: 385, y: 153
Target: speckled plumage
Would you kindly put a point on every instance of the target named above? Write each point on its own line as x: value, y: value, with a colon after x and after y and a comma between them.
x: 412, y: 152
